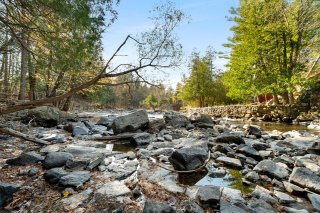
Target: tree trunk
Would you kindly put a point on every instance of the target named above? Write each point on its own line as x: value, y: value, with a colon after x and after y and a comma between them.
x: 275, y: 99
x: 291, y: 98
x: 32, y: 80
x: 285, y: 97
x: 24, y: 69
x: 5, y: 75
x: 67, y: 104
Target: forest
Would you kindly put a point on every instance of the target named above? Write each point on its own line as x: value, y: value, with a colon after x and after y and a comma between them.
x: 51, y: 53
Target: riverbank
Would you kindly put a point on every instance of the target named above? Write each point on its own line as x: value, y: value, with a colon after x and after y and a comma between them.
x: 236, y: 167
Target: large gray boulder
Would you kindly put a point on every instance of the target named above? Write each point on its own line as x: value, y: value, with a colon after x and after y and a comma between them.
x: 176, y: 120
x: 6, y: 192
x: 188, y: 158
x: 270, y: 168
x: 56, y: 159
x: 112, y: 189
x: 45, y: 116
x: 25, y: 159
x: 200, y: 118
x: 304, y: 177
x: 233, y: 162
x: 131, y: 122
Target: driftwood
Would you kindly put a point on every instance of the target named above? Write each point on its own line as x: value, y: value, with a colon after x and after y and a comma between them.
x: 200, y: 168
x: 14, y: 133
x: 115, y: 137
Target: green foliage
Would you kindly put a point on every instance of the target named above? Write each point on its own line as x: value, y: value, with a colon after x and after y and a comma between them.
x: 203, y: 87
x: 105, y: 96
x: 150, y: 101
x: 270, y: 47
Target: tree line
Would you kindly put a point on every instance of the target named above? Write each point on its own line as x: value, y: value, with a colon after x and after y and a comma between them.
x: 51, y: 50
x: 275, y: 51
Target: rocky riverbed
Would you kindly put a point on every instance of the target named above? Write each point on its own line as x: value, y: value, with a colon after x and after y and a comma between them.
x: 132, y: 162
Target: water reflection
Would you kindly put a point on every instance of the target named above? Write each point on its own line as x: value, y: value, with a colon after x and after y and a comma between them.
x: 232, y: 179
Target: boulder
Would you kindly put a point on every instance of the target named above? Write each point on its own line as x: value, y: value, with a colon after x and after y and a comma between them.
x: 25, y: 159
x: 140, y: 139
x: 200, y: 118
x: 253, y: 130
x: 229, y: 139
x: 233, y: 162
x: 131, y: 122
x: 229, y: 207
x: 188, y: 158
x: 56, y: 159
x: 315, y: 148
x: 45, y: 116
x: 6, y: 192
x: 176, y: 120
x: 75, y: 179
x: 270, y: 168
x: 79, y: 130
x: 208, y: 196
x: 156, y: 125
x: 304, y: 177
x: 249, y: 151
x: 54, y: 175
x: 157, y: 207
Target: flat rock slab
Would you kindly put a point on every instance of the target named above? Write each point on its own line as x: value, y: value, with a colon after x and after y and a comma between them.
x: 284, y: 198
x: 75, y: 179
x: 157, y: 207
x: 230, y: 139
x: 304, y: 177
x: 228, y: 207
x: 270, y: 168
x: 230, y: 161
x: 71, y: 203
x: 294, y: 189
x: 56, y: 159
x: 25, y: 159
x: 113, y: 189
x: 208, y: 196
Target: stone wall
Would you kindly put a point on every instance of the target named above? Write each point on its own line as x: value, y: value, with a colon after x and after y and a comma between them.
x: 282, y: 112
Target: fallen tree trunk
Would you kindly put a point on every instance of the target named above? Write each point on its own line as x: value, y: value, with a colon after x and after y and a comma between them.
x: 11, y: 132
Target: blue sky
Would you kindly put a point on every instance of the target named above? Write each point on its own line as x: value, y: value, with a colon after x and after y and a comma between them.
x: 208, y: 27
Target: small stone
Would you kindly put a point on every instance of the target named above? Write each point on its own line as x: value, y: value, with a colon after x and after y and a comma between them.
x: 269, y: 167
x: 25, y: 159
x: 294, y: 189
x: 141, y: 139
x: 263, y: 194
x: 260, y: 206
x: 188, y: 158
x: 75, y: 179
x: 53, y: 175
x: 33, y: 171
x: 284, y: 198
x: 315, y: 201
x: 112, y: 189
x: 157, y: 207
x: 192, y: 207
x: 230, y: 161
x: 229, y: 139
x: 168, y: 137
x: 208, y: 196
x: 252, y: 176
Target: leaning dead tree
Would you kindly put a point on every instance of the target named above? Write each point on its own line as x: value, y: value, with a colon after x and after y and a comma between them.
x: 157, y: 49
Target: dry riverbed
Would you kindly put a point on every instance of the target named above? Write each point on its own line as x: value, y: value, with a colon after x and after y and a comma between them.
x: 132, y: 162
